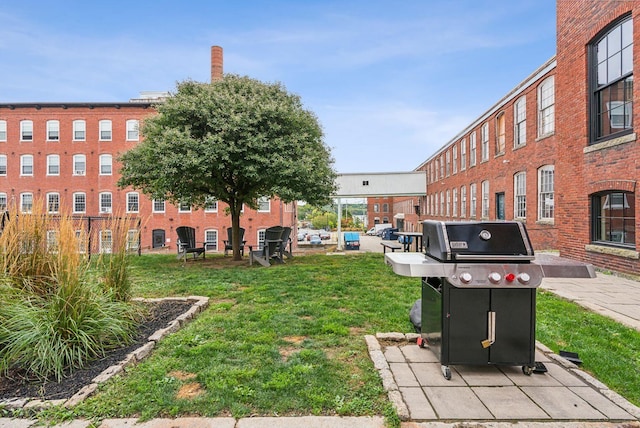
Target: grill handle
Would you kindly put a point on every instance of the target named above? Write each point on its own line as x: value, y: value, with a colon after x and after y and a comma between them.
x: 491, y: 330
x: 492, y: 257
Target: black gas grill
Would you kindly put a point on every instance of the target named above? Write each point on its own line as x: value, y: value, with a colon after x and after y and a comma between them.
x: 479, y: 283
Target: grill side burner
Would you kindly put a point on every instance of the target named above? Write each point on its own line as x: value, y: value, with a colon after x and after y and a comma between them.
x: 479, y: 283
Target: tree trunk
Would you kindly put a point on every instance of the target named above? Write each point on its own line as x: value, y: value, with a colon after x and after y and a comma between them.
x: 235, y: 230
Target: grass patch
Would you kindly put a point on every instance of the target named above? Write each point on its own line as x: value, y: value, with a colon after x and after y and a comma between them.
x: 288, y: 340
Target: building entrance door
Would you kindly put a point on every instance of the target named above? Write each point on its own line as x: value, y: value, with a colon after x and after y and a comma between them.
x: 500, y: 206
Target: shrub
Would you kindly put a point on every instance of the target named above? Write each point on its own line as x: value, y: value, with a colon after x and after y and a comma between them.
x: 54, y: 315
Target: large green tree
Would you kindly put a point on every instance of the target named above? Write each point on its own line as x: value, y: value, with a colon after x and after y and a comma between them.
x: 236, y: 140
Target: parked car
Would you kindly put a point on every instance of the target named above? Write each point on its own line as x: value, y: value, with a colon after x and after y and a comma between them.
x: 301, y: 236
x: 371, y: 232
x: 324, y: 235
x: 315, y: 240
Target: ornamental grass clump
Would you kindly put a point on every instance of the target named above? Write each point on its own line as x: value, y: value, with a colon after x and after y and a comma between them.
x: 54, y: 316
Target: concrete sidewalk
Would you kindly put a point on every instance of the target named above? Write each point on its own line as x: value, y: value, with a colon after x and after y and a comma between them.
x: 475, y: 397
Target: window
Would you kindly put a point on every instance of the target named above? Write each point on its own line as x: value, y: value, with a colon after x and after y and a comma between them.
x: 184, y: 207
x: 385, y: 208
x: 484, y: 136
x: 463, y: 201
x: 520, y: 122
x: 545, y: 193
x: 52, y: 240
x: 448, y: 163
x: 3, y: 130
x: 442, y: 203
x: 3, y: 201
x: 376, y: 208
x: 448, y: 203
x: 472, y: 149
x: 26, y: 130
x: 455, y: 159
x: 158, y: 205
x: 106, y: 203
x: 211, y: 206
x: 53, y: 130
x: 53, y: 164
x: 473, y: 197
x: 26, y: 202
x: 133, y: 240
x: 83, y: 241
x: 441, y: 167
x: 3, y: 164
x: 546, y: 107
x: 455, y: 202
x: 436, y: 204
x: 520, y: 195
x: 79, y: 202
x: 106, y: 164
x: 132, y: 130
x: 211, y: 239
x: 105, y: 130
x: 261, y: 235
x: 133, y: 202
x: 264, y: 205
x: 53, y: 203
x: 501, y: 137
x: 106, y: 241
x: 26, y: 165
x: 485, y: 199
x: 79, y: 164
x: 612, y: 81
x: 613, y: 218
x: 79, y: 130
x: 463, y: 154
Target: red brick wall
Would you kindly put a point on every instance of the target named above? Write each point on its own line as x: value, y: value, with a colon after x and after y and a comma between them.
x: 583, y: 169
x: 92, y: 183
x: 499, y: 169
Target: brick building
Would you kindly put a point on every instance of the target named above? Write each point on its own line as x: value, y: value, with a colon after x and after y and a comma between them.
x: 66, y: 154
x: 559, y: 152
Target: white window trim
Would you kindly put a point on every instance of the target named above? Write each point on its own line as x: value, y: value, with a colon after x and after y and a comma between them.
x: 105, y: 209
x: 49, y: 164
x: 102, y: 163
x: 23, y: 124
x: 22, y: 165
x: 75, y: 198
x: 51, y: 128
x: 137, y: 196
x: 22, y: 198
x: 264, y: 200
x: 76, y: 159
x: 517, y: 194
x: 49, y: 204
x: 207, y: 209
x: 209, y: 245
x: 136, y: 125
x: 104, y: 126
x: 4, y: 161
x: 3, y: 130
x: 76, y: 126
x: 164, y: 205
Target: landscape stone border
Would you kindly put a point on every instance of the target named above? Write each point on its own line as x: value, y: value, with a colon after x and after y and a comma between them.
x: 376, y: 353
x: 199, y: 304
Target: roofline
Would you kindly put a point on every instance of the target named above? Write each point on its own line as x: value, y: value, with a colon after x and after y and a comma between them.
x: 549, y: 65
x: 38, y: 106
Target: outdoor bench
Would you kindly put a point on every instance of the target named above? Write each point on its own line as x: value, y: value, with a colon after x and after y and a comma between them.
x: 393, y: 246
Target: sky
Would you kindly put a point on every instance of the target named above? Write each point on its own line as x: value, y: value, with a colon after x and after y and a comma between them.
x: 391, y: 82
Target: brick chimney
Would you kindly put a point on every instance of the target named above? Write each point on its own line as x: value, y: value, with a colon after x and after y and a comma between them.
x: 216, y: 63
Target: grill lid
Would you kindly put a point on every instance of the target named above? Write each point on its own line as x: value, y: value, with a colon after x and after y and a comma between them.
x: 482, y: 242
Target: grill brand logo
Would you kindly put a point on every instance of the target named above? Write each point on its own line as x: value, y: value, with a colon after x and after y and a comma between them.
x: 459, y: 245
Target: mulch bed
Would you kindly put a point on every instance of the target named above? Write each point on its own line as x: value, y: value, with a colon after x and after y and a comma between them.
x: 13, y: 385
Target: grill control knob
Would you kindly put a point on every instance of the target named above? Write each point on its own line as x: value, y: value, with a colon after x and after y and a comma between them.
x: 465, y: 277
x: 495, y: 277
x: 524, y: 278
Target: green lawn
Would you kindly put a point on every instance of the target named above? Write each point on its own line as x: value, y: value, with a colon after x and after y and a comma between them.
x: 288, y: 340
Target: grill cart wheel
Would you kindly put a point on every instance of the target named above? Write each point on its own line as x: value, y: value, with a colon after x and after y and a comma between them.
x: 527, y: 370
x: 421, y: 342
x: 446, y: 372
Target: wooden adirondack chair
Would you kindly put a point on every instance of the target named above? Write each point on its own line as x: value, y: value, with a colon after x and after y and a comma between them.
x: 286, y: 242
x: 187, y: 243
x: 228, y: 242
x: 270, y: 247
